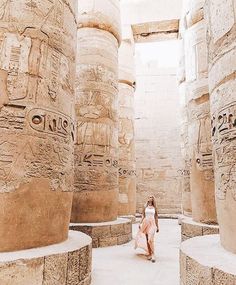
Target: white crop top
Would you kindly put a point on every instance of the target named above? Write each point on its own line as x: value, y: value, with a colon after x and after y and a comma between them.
x: 150, y: 212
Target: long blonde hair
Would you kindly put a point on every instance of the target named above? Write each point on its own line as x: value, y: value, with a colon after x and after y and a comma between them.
x: 154, y: 204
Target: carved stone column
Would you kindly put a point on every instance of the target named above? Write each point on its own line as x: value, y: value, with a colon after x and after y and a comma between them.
x: 222, y: 82
x: 199, y: 131
x: 185, y: 171
x: 196, y: 124
x: 96, y: 150
x: 202, y: 259
x: 37, y: 133
x: 37, y: 61
x: 95, y: 202
x: 127, y: 177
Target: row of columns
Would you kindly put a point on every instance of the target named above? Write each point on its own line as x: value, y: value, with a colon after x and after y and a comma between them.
x: 104, y: 149
x: 209, y: 44
x: 197, y: 120
x: 206, y: 259
x: 61, y: 128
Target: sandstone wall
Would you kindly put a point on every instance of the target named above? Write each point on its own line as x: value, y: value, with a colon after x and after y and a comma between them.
x: 157, y: 129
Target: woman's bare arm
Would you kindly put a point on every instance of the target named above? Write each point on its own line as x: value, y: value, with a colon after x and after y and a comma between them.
x: 156, y: 219
x: 143, y: 215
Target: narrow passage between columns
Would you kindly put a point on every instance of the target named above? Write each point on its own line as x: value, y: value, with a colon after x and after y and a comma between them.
x: 122, y: 265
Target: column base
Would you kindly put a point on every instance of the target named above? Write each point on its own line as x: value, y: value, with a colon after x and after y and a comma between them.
x: 64, y: 263
x: 190, y: 229
x: 204, y: 261
x: 108, y: 233
x: 132, y: 218
x: 181, y: 218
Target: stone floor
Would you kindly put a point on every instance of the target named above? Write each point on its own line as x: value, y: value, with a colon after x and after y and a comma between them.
x: 122, y: 265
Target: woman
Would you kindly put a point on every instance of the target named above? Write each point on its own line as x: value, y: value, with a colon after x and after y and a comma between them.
x: 147, y: 229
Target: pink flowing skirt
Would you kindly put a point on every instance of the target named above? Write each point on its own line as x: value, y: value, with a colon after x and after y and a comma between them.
x: 146, y: 234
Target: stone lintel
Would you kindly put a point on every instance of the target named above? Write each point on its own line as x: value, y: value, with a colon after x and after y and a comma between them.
x: 65, y: 263
x: 108, y: 233
x: 204, y: 261
x: 156, y: 31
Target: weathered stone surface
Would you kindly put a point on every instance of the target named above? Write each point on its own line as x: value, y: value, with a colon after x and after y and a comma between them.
x: 154, y: 31
x: 108, y: 233
x: 111, y: 241
x: 198, y: 119
x: 100, y: 14
x: 126, y: 137
x: 84, y: 263
x: 117, y: 230
x: 96, y: 150
x: 190, y: 229
x: 127, y: 170
x: 37, y: 63
x: 185, y: 155
x: 128, y: 228
x: 101, y: 232
x: 22, y: 272
x: 73, y: 268
x: 204, y: 261
x: 222, y: 81
x: 183, y: 268
x: 55, y: 269
x: 123, y: 239
x: 196, y: 274
x: 127, y: 62
x: 159, y: 165
x: 67, y: 263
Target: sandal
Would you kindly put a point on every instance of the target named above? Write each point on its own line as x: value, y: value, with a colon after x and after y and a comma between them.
x: 153, y: 258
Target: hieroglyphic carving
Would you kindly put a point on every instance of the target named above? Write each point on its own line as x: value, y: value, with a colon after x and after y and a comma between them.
x: 12, y: 118
x: 202, y: 147
x: 224, y: 124
x: 95, y: 160
x: 224, y: 135
x: 23, y: 161
x: 184, y: 172
x: 47, y: 121
x: 126, y: 172
x: 37, y: 72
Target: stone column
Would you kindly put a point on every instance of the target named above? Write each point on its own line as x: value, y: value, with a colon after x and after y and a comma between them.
x: 96, y: 148
x: 222, y: 82
x: 199, y: 131
x: 37, y: 133
x: 196, y: 123
x: 185, y: 171
x: 37, y: 61
x: 127, y: 177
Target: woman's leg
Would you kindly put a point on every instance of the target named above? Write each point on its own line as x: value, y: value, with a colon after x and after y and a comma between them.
x: 148, y: 246
x: 151, y: 247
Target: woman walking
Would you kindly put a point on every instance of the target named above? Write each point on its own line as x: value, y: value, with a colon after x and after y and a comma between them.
x: 148, y: 227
